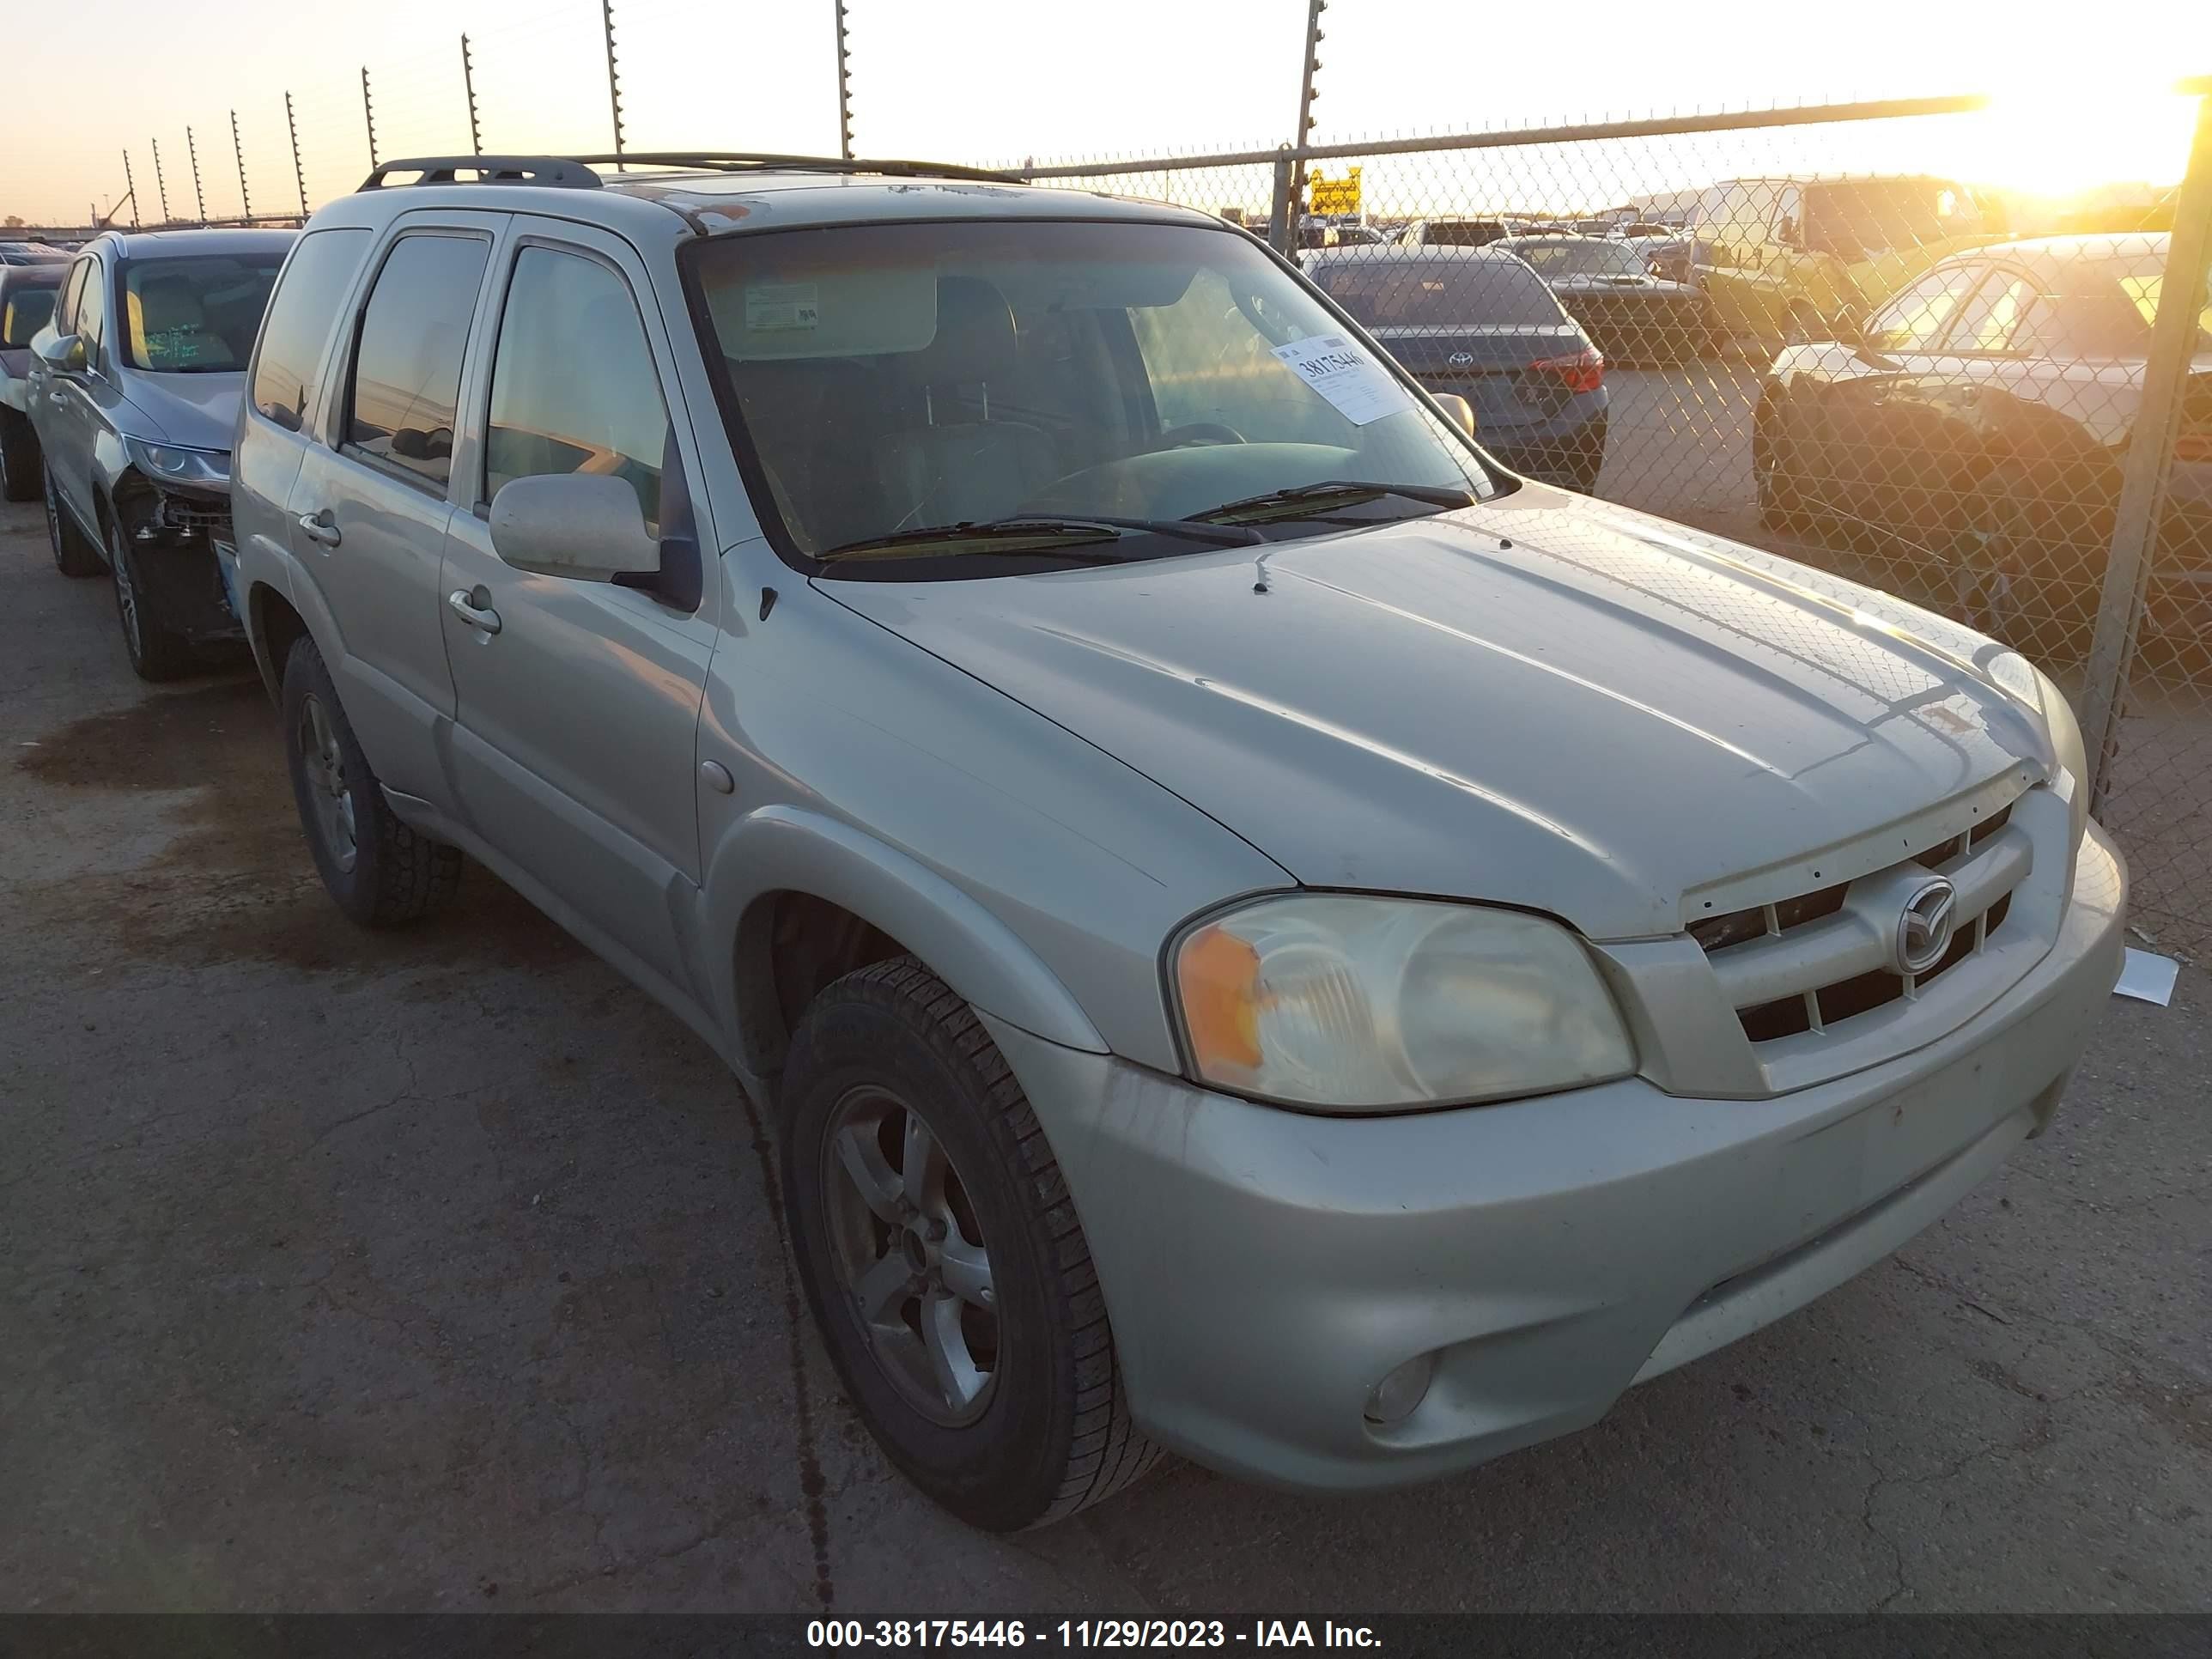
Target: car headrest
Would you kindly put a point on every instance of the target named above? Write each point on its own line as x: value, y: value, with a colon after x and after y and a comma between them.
x: 974, y: 334
x: 169, y: 302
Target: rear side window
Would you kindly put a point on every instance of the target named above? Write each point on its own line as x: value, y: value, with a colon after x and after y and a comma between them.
x: 407, y: 367
x: 30, y: 310
x: 298, y: 325
x: 574, y: 388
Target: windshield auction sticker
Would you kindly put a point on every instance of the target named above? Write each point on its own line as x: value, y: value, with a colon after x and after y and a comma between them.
x: 781, y: 305
x: 1360, y: 388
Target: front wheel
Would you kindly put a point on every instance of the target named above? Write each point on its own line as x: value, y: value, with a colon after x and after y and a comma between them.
x: 1774, y: 468
x: 157, y: 651
x: 942, y: 1257
x: 74, y: 553
x: 21, y: 463
x: 380, y: 870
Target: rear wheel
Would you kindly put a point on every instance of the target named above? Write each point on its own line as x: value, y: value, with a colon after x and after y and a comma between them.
x: 157, y: 651
x: 942, y: 1257
x: 74, y: 553
x: 21, y: 463
x: 380, y: 871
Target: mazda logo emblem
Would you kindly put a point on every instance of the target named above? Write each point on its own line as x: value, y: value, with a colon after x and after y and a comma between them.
x: 1923, y: 932
x: 1462, y: 360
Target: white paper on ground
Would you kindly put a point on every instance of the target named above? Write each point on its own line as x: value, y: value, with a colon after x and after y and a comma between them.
x: 1360, y: 388
x: 2147, y: 977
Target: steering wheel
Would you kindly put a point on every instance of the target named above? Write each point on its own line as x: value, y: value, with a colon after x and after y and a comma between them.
x: 1200, y: 432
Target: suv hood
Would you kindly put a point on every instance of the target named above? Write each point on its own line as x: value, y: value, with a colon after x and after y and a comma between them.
x: 198, y: 411
x: 1543, y: 701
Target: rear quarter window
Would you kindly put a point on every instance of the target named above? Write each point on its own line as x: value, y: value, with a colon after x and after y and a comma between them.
x: 296, y: 334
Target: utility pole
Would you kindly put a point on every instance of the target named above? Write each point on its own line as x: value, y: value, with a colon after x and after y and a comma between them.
x: 614, y: 78
x: 844, y: 84
x: 238, y: 149
x: 469, y: 85
x: 1294, y: 208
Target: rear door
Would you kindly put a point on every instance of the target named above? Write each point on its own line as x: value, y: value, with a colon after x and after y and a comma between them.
x: 368, y: 514
x: 574, y: 751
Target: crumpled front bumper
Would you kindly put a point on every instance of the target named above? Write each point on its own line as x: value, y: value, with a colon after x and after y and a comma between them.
x: 1265, y: 1269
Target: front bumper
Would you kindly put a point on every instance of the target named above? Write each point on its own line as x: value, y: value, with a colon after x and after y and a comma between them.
x: 1264, y: 1269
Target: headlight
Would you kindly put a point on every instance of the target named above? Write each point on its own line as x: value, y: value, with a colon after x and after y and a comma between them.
x: 181, y: 465
x: 1355, y: 1003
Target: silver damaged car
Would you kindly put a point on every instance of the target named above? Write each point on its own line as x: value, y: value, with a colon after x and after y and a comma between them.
x: 1260, y: 933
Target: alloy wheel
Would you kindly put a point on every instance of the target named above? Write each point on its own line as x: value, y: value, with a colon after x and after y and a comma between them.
x: 331, y: 795
x: 126, y: 593
x: 910, y: 1256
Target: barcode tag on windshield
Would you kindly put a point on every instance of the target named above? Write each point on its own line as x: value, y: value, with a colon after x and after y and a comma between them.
x: 781, y: 305
x: 1359, y: 388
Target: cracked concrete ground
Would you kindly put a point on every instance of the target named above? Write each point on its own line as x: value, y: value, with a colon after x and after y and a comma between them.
x: 435, y: 1272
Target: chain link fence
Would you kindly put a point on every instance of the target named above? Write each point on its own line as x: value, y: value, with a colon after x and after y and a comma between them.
x: 1819, y: 330
x: 1803, y: 330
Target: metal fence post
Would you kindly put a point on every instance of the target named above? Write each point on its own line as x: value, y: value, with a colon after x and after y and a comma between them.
x: 199, y: 197
x: 1307, y: 93
x: 614, y: 78
x: 238, y: 149
x: 2143, y: 472
x: 844, y: 85
x: 131, y: 185
x: 299, y: 172
x: 161, y: 185
x: 469, y: 85
x: 369, y: 114
x: 1282, y: 218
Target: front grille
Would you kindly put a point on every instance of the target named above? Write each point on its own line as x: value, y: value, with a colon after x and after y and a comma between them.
x: 1815, y: 961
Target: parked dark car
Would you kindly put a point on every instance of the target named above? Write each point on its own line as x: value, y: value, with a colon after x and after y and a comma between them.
x: 1980, y: 418
x: 32, y: 253
x: 26, y: 302
x: 1479, y: 323
x: 1634, y: 317
x: 135, y: 391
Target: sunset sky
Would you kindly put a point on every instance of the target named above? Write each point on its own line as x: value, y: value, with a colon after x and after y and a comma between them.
x: 999, y: 80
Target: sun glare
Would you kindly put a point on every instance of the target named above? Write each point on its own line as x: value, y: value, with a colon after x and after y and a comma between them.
x: 2055, y: 136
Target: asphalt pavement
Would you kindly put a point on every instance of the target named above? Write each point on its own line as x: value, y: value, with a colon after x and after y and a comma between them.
x: 436, y: 1271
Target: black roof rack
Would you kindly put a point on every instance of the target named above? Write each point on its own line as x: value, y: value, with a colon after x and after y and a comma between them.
x: 559, y: 172
x: 735, y: 160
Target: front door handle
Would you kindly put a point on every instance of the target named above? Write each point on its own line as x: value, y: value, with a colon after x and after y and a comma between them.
x: 471, y: 608
x: 319, y: 529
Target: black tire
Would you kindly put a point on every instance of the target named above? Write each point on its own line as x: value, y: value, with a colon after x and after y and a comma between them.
x: 22, y: 465
x: 1774, y: 470
x: 389, y: 873
x: 157, y: 651
x: 74, y: 553
x: 1048, y: 1432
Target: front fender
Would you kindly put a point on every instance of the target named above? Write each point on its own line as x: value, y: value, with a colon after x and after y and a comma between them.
x: 788, y: 848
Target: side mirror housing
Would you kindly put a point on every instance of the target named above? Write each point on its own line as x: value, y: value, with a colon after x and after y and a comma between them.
x: 61, y: 352
x: 1458, y: 408
x: 585, y: 526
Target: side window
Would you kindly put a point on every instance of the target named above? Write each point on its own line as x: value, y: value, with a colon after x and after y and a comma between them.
x: 1992, y: 318
x: 574, y: 388
x: 298, y: 326
x: 1917, y: 319
x: 28, y: 310
x: 407, y: 367
x: 92, y: 312
x: 65, y: 313
x: 1790, y: 216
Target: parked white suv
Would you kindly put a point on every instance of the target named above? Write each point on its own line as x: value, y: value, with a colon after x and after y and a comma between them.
x: 1261, y: 932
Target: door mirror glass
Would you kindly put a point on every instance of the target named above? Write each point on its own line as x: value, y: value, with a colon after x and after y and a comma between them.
x: 1461, y: 410
x: 586, y: 527
x: 63, y: 352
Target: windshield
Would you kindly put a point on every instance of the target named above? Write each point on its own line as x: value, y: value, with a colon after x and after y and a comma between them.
x: 1859, y: 218
x: 198, y: 314
x: 1384, y: 293
x: 891, y: 379
x: 1582, y: 257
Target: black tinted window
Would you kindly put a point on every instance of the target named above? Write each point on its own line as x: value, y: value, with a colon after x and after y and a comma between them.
x: 299, y: 323
x: 30, y: 310
x: 407, y: 369
x: 1433, y: 293
x: 92, y: 312
x: 68, y: 309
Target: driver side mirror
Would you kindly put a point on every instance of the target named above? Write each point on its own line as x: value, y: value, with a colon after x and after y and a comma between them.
x: 1461, y: 410
x: 586, y: 527
x: 62, y: 353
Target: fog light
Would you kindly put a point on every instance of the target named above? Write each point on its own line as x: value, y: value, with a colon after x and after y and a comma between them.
x: 1397, y: 1395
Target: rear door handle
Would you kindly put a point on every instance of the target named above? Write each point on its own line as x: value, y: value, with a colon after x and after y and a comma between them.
x: 320, y: 529
x: 471, y: 609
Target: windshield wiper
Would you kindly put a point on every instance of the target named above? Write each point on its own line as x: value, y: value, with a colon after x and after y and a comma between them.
x: 1053, y: 535
x: 1333, y: 492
